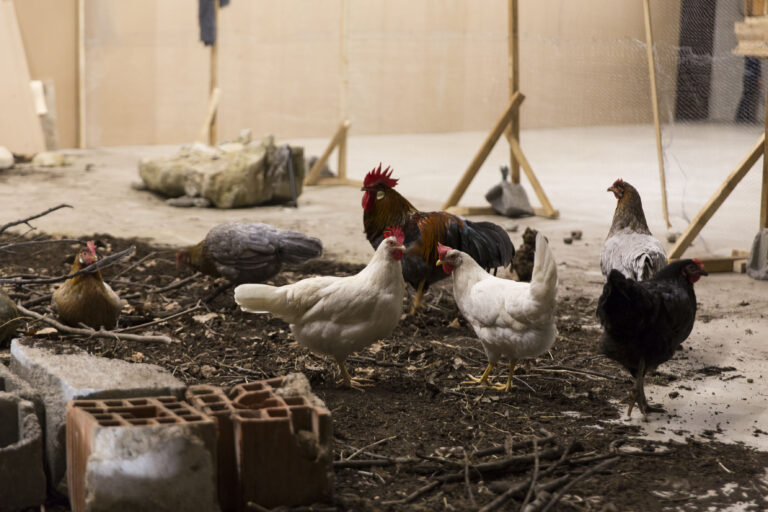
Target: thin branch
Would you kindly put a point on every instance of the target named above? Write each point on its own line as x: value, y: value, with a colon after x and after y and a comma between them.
x: 13, y: 245
x: 131, y: 267
x: 558, y: 496
x: 466, y: 480
x: 568, y: 369
x: 380, y: 441
x: 92, y: 332
x: 535, y: 476
x: 109, y: 260
x: 36, y: 216
x: 172, y: 286
x: 159, y: 320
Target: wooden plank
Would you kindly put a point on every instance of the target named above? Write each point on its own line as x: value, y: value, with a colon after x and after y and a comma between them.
x: 20, y: 130
x: 49, y: 120
x: 764, y: 187
x: 210, y: 115
x: 740, y: 266
x: 81, y: 99
x: 513, y: 130
x: 335, y: 182
x: 483, y: 152
x: 717, y: 199
x: 314, y: 173
x: 342, y: 154
x: 655, y: 106
x: 718, y: 263
x: 214, y: 77
x: 549, y: 211
x: 471, y: 210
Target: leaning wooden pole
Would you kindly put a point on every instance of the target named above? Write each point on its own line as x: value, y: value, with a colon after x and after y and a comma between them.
x: 764, y: 188
x: 655, y: 105
x: 717, y: 199
x: 484, y: 151
x: 513, y: 130
x: 214, y: 83
x: 81, y: 127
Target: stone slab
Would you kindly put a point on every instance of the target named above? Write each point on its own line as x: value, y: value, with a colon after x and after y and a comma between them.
x: 64, y: 373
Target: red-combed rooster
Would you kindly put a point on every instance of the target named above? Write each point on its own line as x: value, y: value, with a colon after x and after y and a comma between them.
x: 488, y: 244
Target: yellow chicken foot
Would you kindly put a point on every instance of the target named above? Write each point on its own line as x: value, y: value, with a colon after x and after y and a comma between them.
x: 483, y: 380
x: 508, y: 385
x: 348, y: 381
x: 416, y: 306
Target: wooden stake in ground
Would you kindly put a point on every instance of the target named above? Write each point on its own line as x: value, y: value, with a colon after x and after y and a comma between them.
x: 338, y: 141
x: 513, y: 130
x: 655, y: 105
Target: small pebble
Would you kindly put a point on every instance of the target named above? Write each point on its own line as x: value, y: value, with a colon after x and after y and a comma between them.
x: 672, y: 237
x: 568, y: 240
x: 576, y: 235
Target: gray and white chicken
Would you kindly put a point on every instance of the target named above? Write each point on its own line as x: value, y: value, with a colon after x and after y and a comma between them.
x: 630, y: 247
x: 247, y: 252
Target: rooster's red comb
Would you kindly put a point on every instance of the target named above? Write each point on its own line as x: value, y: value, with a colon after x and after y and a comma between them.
x: 618, y: 182
x: 442, y: 250
x: 396, y: 232
x: 699, y: 263
x: 91, y: 247
x: 377, y: 176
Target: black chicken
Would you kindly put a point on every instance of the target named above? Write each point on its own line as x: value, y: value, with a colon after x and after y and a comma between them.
x: 646, y: 321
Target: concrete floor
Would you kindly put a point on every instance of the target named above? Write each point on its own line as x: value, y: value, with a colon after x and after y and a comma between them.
x: 574, y: 165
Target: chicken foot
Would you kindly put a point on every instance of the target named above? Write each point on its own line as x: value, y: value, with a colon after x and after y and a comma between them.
x: 483, y: 380
x: 637, y: 395
x: 358, y: 383
x: 506, y: 387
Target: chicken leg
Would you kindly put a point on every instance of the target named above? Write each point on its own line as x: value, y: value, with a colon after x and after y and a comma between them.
x: 508, y: 385
x: 416, y: 306
x: 483, y: 380
x: 350, y: 382
x: 637, y: 394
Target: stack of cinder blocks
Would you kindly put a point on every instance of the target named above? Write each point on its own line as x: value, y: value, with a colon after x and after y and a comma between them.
x: 125, y: 440
x: 22, y: 480
x: 275, y: 442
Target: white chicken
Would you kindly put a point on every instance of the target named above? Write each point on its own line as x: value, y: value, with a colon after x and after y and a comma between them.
x: 630, y: 247
x: 334, y: 315
x: 511, y: 318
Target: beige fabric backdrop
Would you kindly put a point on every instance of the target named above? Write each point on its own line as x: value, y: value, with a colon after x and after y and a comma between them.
x: 294, y: 67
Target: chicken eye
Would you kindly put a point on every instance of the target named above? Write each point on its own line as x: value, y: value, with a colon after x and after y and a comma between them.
x: 380, y: 194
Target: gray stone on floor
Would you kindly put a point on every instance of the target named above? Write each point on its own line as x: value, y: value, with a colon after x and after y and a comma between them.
x: 12, y: 383
x: 75, y: 374
x: 22, y: 479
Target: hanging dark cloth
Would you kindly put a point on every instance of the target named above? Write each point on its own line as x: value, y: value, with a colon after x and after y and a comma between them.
x: 205, y: 16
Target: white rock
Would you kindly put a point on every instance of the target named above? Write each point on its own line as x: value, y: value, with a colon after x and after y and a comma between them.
x: 6, y: 158
x: 49, y: 159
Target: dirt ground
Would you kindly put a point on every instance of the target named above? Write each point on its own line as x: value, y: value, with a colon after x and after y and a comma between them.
x: 417, y: 430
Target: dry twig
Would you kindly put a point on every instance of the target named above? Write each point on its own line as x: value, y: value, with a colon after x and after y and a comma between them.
x: 36, y: 216
x: 109, y: 260
x: 102, y: 333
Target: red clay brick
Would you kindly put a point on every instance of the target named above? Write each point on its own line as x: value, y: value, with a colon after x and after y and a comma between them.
x: 85, y: 418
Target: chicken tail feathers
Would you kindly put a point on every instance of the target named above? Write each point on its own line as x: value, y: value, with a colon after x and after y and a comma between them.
x: 259, y: 298
x: 297, y: 247
x: 488, y: 244
x: 544, y: 276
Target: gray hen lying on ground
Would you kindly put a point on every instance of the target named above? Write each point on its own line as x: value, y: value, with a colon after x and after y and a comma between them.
x: 247, y: 252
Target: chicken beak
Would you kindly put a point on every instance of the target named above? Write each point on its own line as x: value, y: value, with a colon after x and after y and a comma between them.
x: 400, y: 248
x: 439, y: 263
x: 610, y: 189
x: 703, y: 272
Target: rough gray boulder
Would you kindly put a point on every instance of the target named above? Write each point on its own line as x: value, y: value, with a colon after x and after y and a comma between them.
x: 757, y: 264
x: 231, y: 175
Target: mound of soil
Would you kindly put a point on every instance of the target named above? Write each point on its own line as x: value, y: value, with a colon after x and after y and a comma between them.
x: 422, y: 441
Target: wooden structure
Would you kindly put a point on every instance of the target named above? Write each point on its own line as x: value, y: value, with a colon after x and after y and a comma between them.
x: 760, y: 149
x: 655, y: 105
x: 752, y: 33
x: 509, y: 122
x: 338, y: 141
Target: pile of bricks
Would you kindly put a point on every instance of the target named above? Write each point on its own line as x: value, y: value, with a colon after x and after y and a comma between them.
x: 139, y: 446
